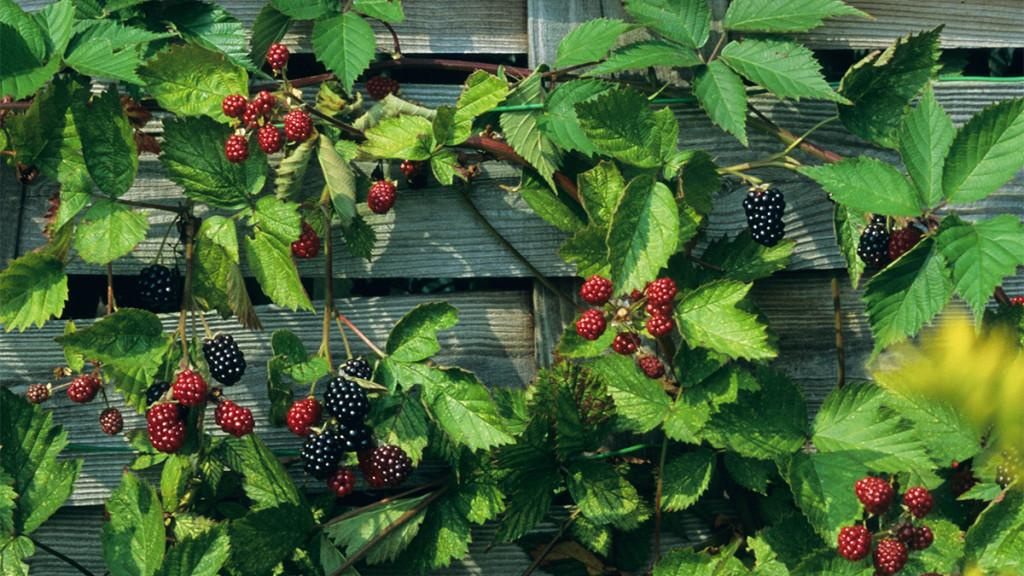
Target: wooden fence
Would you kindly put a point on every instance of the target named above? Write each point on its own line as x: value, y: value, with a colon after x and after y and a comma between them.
x: 505, y: 334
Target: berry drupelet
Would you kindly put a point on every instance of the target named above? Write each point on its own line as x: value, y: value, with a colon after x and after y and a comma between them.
x: 269, y: 139
x: 659, y: 326
x: 225, y: 359
x: 764, y: 208
x: 353, y: 436
x: 901, y: 241
x: 346, y: 400
x: 234, y: 105
x: 661, y: 291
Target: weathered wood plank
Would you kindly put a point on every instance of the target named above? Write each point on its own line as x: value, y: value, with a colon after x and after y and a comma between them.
x: 10, y: 203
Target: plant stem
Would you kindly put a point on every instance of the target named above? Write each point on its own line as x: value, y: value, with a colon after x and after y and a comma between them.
x: 147, y: 205
x: 347, y: 128
x: 394, y: 36
x: 344, y: 338
x: 840, y: 349
x: 1002, y: 297
x: 110, y: 288
x: 325, y: 335
x: 186, y: 294
x: 765, y: 124
x: 503, y: 151
x: 386, y: 501
x: 61, y: 556
x: 359, y: 333
x: 551, y: 543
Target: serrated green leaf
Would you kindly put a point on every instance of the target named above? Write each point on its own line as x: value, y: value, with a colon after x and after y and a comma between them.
x: 57, y: 20
x: 387, y: 10
x: 980, y: 255
x: 905, y: 296
x: 24, y: 51
x: 303, y: 9
x: 218, y: 282
x: 744, y: 260
x: 768, y: 563
x: 590, y: 41
x: 721, y: 94
x: 848, y: 226
x: 414, y: 337
x: 109, y: 49
x: 769, y: 424
x: 684, y: 561
x: 560, y: 122
x: 867, y: 184
x: 946, y: 432
x: 444, y: 536
x: 619, y: 123
x: 813, y: 479
x: 924, y: 139
x: 587, y: 249
x: 523, y: 130
x: 466, y: 413
x: 190, y: 80
x: 264, y: 479
x: 201, y: 555
x: 406, y: 137
x: 995, y: 543
x: 257, y: 550
x: 687, y: 22
x: 133, y: 538
x: 356, y: 531
x: 7, y: 503
x: 987, y: 152
x: 784, y: 15
x: 751, y: 473
x: 641, y: 403
x: 480, y: 94
x: 601, y: 493
x: 269, y: 27
x: 33, y: 289
x: 109, y: 231
x: 787, y: 69
x: 12, y: 551
x: 601, y: 191
x: 549, y: 204
x: 648, y: 54
x: 174, y: 477
x: 644, y: 233
x: 212, y: 26
x: 345, y: 43
x: 709, y: 317
x: 271, y: 262
x: 444, y: 166
x: 686, y: 477
x: 279, y: 218
x: 108, y: 142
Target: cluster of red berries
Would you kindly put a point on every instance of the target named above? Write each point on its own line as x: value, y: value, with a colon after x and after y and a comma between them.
x: 165, y: 421
x: 81, y: 389
x: 1017, y: 301
x: 258, y: 115
x: 891, y: 550
x: 879, y: 245
x: 657, y: 302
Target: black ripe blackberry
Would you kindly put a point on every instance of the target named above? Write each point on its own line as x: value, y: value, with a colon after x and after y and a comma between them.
x: 764, y: 208
x: 873, y: 247
x: 159, y: 287
x: 346, y: 400
x: 357, y: 368
x: 353, y: 437
x: 321, y: 454
x: 156, y: 391
x: 226, y: 361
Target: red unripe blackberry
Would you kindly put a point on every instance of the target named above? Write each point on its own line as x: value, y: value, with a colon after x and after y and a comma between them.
x: 651, y: 367
x: 298, y: 126
x: 659, y: 326
x: 264, y: 103
x: 875, y: 493
x: 764, y: 208
x: 111, y: 422
x: 236, y: 149
x: 233, y: 419
x: 251, y: 118
x: 38, y: 393
x: 189, y: 388
x: 873, y: 247
x: 234, y: 105
x: 386, y: 465
x: 653, y: 309
x: 1017, y: 301
x: 596, y: 290
x: 277, y: 56
x: 357, y: 368
x: 379, y: 87
x: 346, y: 400
x: 269, y: 138
x: 906, y: 533
x: 382, y: 196
x: 302, y: 415
x: 224, y: 358
x: 591, y: 324
x: 414, y: 173
x: 342, y: 482
x: 165, y: 427
x: 308, y: 244
x: 918, y: 500
x: 889, y: 557
x: 625, y: 343
x: 661, y: 291
x: 854, y: 542
x: 922, y: 540
x: 84, y: 388
x: 902, y: 240
x: 320, y: 454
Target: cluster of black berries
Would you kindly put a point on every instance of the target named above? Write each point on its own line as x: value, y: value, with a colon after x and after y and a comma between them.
x: 764, y: 208
x: 879, y: 245
x: 344, y: 430
x: 889, y: 554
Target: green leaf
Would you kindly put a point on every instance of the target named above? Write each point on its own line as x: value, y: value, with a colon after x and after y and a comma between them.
x: 358, y: 530
x: 7, y: 503
x: 644, y: 233
x: 572, y: 345
x: 291, y: 172
x: 946, y: 432
x: 201, y: 555
x: 641, y: 403
x: 784, y: 15
x: 193, y: 155
x: 560, y: 122
x: 264, y: 479
x: 269, y: 27
x: 444, y: 167
x: 360, y: 238
x: 751, y: 473
x: 480, y: 94
x: 882, y: 85
x: 255, y: 549
x: 687, y: 22
x: 465, y: 411
x: 213, y: 27
x: 303, y: 9
x: 768, y: 424
x: 174, y: 477
x: 813, y: 478
x: 601, y: 493
x: 218, y: 282
x: 190, y: 80
x: 406, y: 137
x: 414, y: 337
x: 590, y: 41
x: 768, y: 563
x: 133, y: 538
x: 601, y: 191
x: 686, y: 477
x: 867, y: 184
x: 279, y: 218
x: 271, y: 262
x: 620, y: 124
x: 549, y: 205
x: 108, y: 142
x: 925, y: 138
x: 444, y: 535
x: 648, y: 54
x: 402, y: 421
x: 709, y: 317
x: 721, y: 94
x: 279, y: 390
x: 12, y: 551
x: 980, y: 255
x: 588, y: 251
x: 523, y: 131
x: 33, y: 288
x: 345, y: 44
x: 24, y: 51
x: 697, y: 178
x: 987, y: 152
x: 109, y: 49
x: 684, y: 561
x: 745, y: 260
x: 848, y: 226
x: 787, y: 69
x: 995, y: 543
x: 109, y: 231
x: 905, y: 296
x: 387, y: 10
x: 57, y: 20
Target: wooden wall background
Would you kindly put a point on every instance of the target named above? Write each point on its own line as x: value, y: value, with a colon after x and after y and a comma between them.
x: 505, y: 334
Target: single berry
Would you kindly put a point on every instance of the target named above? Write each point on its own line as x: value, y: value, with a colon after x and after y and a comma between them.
x: 346, y: 400
x: 625, y: 343
x: 875, y: 493
x: 386, y: 465
x: 111, y: 422
x: 298, y: 126
x: 889, y: 557
x: 84, y: 388
x: 234, y: 105
x: 635, y: 295
x: 320, y: 454
x: 159, y: 288
x: 661, y: 291
x: 308, y: 244
x: 1005, y: 475
x: 38, y: 393
x: 269, y: 138
x: 659, y: 326
x: 357, y: 368
x: 873, y: 247
x: 596, y: 290
x: 277, y: 56
x: 225, y: 359
x: 379, y: 87
x: 233, y: 419
x: 591, y: 324
x: 251, y: 118
x: 189, y: 388
x: 854, y: 542
x: 302, y: 414
x: 906, y: 533
x: 902, y: 240
x: 156, y: 391
x: 653, y: 309
x: 165, y: 427
x: 414, y: 174
x: 918, y: 500
x: 651, y: 367
x: 236, y: 149
x: 922, y: 540
x: 353, y: 436
x: 764, y: 208
x: 381, y: 196
x: 408, y: 168
x: 342, y: 482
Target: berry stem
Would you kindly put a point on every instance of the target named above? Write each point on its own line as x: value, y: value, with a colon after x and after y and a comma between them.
x: 61, y: 556
x: 397, y: 50
x: 206, y: 325
x: 551, y: 543
x: 344, y: 338
x: 325, y: 332
x: 360, y: 334
x: 110, y: 289
x: 503, y: 151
